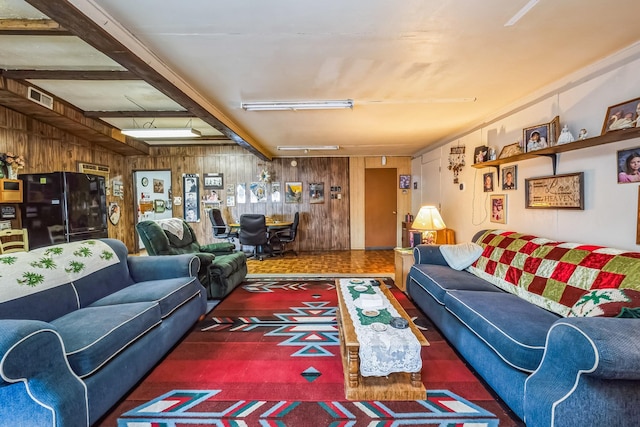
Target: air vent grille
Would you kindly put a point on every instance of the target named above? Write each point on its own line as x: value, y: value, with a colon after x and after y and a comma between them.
x: 40, y: 98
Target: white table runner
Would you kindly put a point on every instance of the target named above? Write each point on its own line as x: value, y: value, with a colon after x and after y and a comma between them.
x: 381, y: 352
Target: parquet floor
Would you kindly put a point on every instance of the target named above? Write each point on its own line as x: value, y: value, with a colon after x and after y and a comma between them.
x: 374, y: 262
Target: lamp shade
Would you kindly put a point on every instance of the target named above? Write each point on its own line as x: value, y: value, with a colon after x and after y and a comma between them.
x: 428, y: 218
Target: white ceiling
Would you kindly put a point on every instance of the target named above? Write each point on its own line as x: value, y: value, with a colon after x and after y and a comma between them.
x: 398, y: 60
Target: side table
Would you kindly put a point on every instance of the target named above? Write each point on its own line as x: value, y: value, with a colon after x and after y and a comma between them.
x: 403, y: 261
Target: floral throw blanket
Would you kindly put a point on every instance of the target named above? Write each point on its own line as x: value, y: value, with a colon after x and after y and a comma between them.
x: 26, y: 273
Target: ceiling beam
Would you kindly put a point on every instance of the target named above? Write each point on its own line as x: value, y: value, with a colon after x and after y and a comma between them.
x: 63, y: 12
x: 32, y: 27
x: 69, y: 75
x: 139, y: 113
x: 13, y: 95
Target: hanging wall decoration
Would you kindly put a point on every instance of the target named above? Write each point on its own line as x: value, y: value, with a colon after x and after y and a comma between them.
x: 258, y: 192
x: 456, y: 161
x: 316, y: 192
x: 191, y: 185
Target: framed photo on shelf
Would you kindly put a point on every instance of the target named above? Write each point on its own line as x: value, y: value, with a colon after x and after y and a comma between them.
x: 622, y: 116
x: 480, y: 154
x: 509, y: 177
x: 498, y: 208
x: 555, y: 192
x: 510, y: 150
x: 541, y: 136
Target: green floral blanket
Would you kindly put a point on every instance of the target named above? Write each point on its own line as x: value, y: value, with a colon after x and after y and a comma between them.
x: 25, y: 273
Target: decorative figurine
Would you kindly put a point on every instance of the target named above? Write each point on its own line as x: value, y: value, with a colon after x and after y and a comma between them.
x: 565, y: 136
x: 583, y: 134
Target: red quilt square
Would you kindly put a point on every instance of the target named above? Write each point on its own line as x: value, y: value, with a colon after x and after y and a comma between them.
x: 556, y: 253
x: 589, y: 248
x: 596, y: 261
x: 531, y: 265
x: 563, y: 271
x: 529, y: 248
x: 631, y: 254
x: 507, y: 257
x: 491, y: 267
x: 505, y: 242
x: 571, y: 295
x: 537, y: 285
x: 607, y: 280
x: 513, y: 275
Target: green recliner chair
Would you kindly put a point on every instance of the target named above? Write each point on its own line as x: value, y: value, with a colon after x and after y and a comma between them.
x: 221, y: 267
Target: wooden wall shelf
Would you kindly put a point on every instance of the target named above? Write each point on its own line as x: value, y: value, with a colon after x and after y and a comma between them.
x: 551, y: 152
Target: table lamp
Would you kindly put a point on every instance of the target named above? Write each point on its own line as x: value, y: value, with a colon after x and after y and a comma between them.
x: 428, y: 221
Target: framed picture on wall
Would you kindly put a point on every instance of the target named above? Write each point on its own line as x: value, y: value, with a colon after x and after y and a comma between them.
x: 628, y: 165
x: 293, y: 192
x: 555, y: 192
x: 191, y: 185
x: 405, y: 182
x: 487, y: 180
x: 214, y: 181
x: 316, y: 192
x: 498, y: 208
x: 509, y: 177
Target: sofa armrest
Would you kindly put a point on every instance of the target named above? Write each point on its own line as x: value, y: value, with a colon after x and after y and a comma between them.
x: 32, y: 353
x: 586, y: 359
x: 143, y: 268
x: 428, y: 254
x: 220, y: 248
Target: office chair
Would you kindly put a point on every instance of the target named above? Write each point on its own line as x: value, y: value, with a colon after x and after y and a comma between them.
x: 253, y: 232
x: 220, y: 229
x: 282, y: 238
x: 14, y: 245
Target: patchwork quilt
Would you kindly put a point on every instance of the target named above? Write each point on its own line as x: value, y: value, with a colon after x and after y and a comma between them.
x: 550, y: 274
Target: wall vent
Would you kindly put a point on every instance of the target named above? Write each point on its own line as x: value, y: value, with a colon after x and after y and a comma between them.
x: 40, y: 98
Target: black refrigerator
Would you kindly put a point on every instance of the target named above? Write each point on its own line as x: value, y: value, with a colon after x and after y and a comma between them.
x: 63, y: 207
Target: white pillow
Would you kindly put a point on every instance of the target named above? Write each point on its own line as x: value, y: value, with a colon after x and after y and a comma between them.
x: 462, y: 255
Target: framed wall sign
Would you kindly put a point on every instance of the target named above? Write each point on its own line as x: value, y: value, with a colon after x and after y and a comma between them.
x: 555, y: 192
x: 214, y: 181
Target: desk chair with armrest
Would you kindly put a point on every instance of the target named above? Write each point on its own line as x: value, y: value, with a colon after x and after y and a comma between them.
x: 253, y: 232
x: 287, y: 236
x: 14, y: 240
x: 221, y: 267
x: 220, y: 229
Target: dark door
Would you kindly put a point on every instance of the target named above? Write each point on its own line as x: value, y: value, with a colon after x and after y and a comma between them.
x: 380, y: 202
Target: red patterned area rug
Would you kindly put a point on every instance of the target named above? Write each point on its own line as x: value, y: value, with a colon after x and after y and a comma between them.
x: 269, y: 355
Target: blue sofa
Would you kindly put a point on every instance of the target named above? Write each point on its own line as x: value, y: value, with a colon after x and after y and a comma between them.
x: 81, y: 323
x: 551, y: 369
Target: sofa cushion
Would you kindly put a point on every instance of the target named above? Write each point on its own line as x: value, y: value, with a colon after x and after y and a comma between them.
x: 94, y: 335
x: 438, y: 279
x: 515, y: 329
x: 168, y: 293
x: 553, y: 275
x: 608, y: 303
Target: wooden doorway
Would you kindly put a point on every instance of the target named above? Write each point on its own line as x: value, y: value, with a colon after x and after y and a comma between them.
x: 380, y: 206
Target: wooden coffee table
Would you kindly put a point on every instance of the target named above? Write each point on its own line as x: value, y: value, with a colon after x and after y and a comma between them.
x: 395, y: 386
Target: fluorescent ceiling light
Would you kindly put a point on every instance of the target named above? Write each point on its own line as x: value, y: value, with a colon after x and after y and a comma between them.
x: 297, y: 105
x: 162, y: 133
x: 525, y: 9
x: 309, y: 148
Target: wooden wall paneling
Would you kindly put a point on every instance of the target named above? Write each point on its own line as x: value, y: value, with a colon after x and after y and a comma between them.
x: 356, y: 201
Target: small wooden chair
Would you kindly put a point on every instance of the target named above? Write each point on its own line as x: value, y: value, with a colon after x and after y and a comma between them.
x: 14, y: 241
